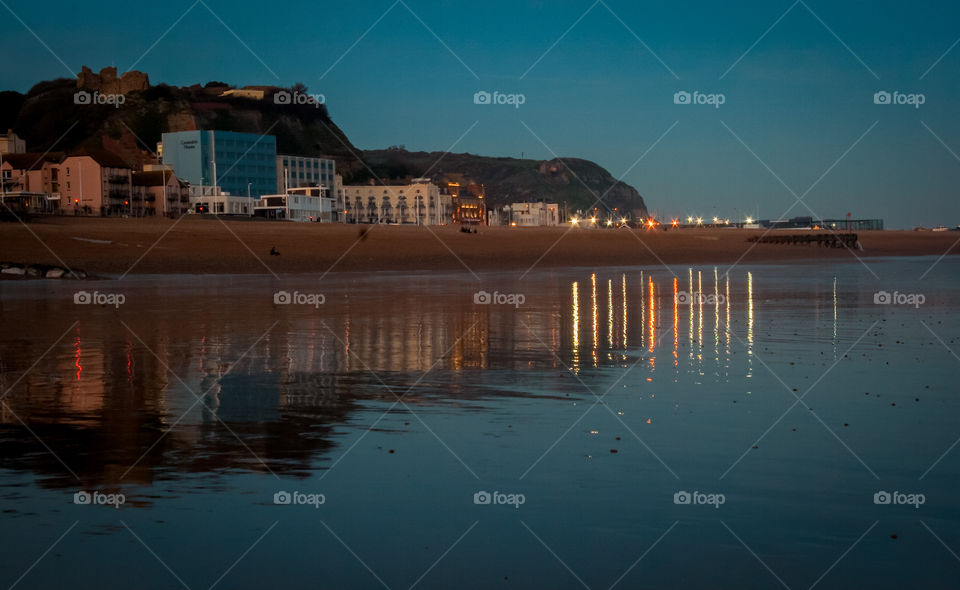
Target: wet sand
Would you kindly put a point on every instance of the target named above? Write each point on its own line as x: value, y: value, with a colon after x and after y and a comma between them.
x: 209, y: 245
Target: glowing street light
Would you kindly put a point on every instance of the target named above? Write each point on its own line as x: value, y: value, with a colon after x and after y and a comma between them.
x: 749, y: 219
x: 574, y: 221
x: 689, y: 219
x: 609, y: 222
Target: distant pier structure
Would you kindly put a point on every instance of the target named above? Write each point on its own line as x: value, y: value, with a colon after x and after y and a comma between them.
x: 846, y: 223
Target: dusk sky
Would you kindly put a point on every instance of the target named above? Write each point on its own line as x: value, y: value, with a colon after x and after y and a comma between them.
x: 798, y: 82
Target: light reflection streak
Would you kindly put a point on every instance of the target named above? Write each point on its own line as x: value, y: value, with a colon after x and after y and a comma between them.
x: 676, y: 321
x: 623, y: 328
x: 596, y: 317
x: 699, y: 317
x: 834, y: 318
x: 749, y: 324
x: 726, y: 326
x: 716, y: 317
x: 78, y: 356
x: 609, y: 314
x: 651, y: 321
x: 576, y: 326
x: 691, y: 314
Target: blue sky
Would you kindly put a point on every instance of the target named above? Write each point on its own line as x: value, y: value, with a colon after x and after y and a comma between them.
x: 798, y: 117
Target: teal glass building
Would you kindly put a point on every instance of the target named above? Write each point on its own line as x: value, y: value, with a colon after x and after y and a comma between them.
x: 236, y: 163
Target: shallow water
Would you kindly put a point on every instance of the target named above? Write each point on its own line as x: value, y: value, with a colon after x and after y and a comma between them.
x: 601, y: 398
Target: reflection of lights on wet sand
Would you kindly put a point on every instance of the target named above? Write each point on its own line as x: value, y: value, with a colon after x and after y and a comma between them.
x: 576, y: 326
x: 749, y: 324
x: 623, y: 328
x: 716, y: 316
x: 750, y: 312
x: 726, y: 325
x: 643, y: 308
x: 651, y: 319
x: 676, y: 320
x: 699, y: 316
x: 690, y: 290
x: 834, y: 309
x: 610, y: 313
x: 596, y: 316
x: 78, y: 355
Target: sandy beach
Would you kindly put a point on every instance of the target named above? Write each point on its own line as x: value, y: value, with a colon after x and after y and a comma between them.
x: 208, y: 245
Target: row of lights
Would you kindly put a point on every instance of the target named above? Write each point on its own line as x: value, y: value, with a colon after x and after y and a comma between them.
x: 652, y: 223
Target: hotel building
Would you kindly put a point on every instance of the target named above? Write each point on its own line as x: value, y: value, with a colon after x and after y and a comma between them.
x: 298, y: 171
x: 238, y: 164
x: 419, y: 203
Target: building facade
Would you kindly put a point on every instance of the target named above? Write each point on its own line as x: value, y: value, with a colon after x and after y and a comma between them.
x: 535, y: 214
x: 10, y: 143
x: 297, y: 204
x: 97, y: 182
x: 238, y: 164
x: 161, y: 192
x: 298, y: 171
x: 417, y: 204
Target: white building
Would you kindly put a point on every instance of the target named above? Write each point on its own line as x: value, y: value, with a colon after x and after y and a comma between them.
x: 419, y: 203
x: 298, y: 204
x: 298, y: 171
x: 535, y: 214
x: 210, y: 199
